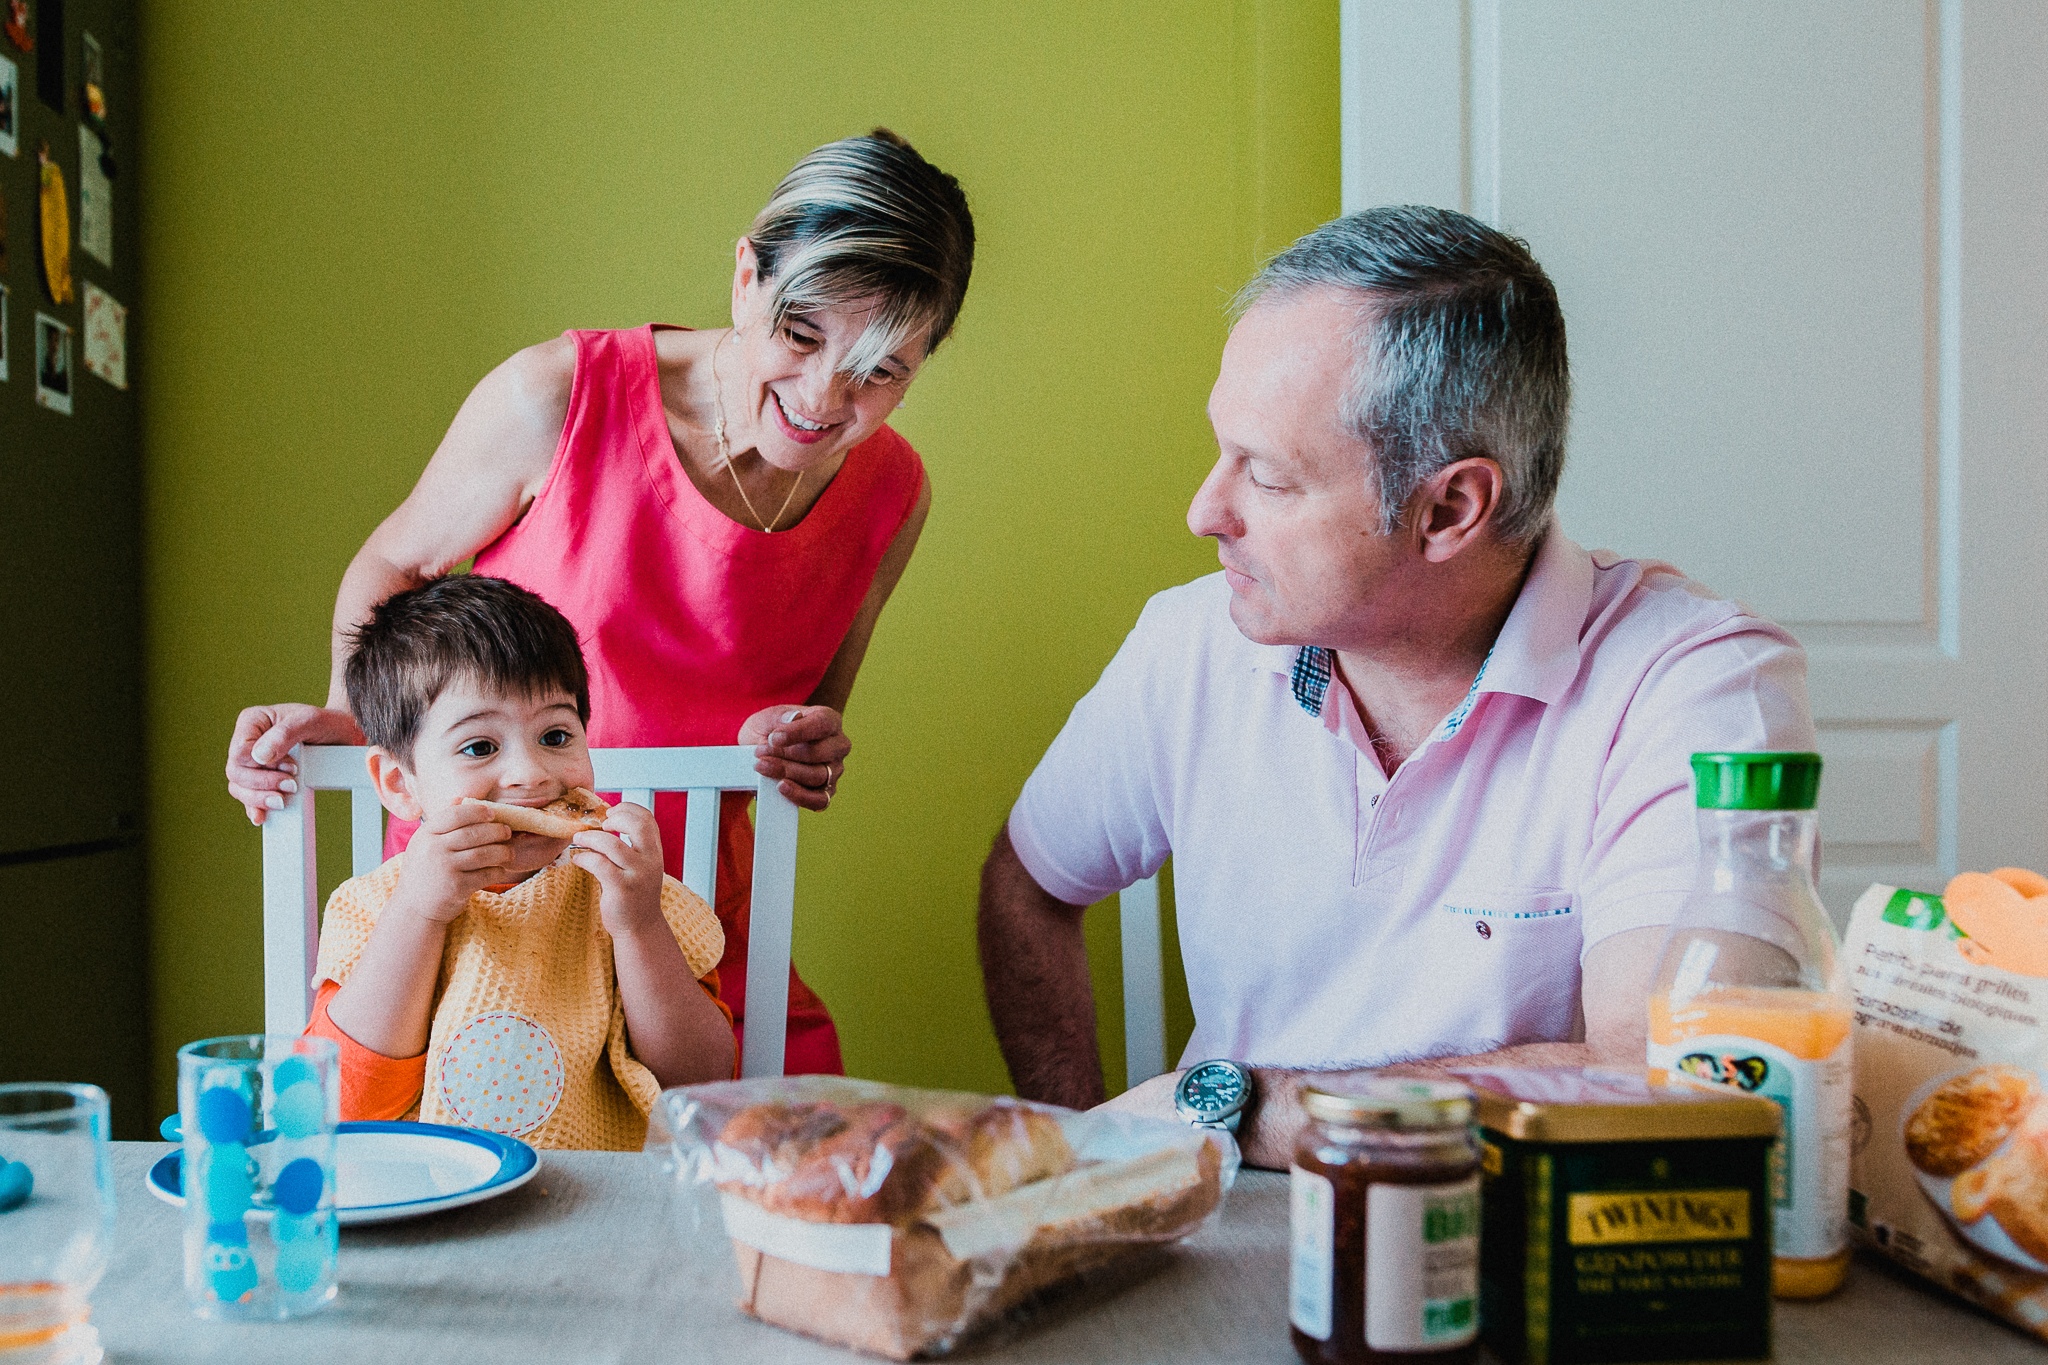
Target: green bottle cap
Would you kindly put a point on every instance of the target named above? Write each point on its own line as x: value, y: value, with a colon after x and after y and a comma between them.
x: 1756, y: 781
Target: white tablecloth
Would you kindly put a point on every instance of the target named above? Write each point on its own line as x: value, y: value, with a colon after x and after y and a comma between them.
x: 586, y: 1264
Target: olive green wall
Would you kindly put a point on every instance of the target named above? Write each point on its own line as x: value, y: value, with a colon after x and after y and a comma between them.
x: 355, y: 211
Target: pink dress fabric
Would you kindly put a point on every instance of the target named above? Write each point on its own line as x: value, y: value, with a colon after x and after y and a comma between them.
x: 690, y: 621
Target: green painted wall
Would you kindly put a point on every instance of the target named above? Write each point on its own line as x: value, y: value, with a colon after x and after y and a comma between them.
x: 355, y: 211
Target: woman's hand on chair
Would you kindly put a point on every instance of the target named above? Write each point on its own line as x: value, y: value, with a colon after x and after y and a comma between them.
x: 803, y: 747
x: 260, y: 769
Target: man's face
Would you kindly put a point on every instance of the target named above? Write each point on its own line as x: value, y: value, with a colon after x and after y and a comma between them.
x: 1291, y: 502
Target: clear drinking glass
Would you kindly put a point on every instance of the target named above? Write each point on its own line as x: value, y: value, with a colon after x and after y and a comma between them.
x: 56, y: 1220
x: 259, y: 1116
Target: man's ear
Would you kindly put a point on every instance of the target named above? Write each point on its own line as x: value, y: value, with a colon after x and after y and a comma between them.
x: 394, y: 785
x: 1456, y: 506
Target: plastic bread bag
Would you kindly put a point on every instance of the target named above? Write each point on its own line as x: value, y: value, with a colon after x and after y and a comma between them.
x: 1949, y: 1166
x: 900, y: 1221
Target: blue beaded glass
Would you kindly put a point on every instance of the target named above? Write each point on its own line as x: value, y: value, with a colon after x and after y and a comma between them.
x: 300, y: 1110
x: 225, y: 1182
x: 224, y: 1115
x: 297, y: 1187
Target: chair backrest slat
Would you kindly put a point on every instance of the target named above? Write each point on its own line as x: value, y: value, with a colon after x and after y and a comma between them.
x: 291, y: 913
x: 366, y: 831
x: 1137, y: 913
x: 768, y: 934
x: 700, y: 845
x: 291, y: 904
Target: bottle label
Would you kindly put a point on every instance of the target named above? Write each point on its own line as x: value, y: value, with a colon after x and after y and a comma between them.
x: 1312, y: 1272
x: 1809, y: 1163
x: 1421, y: 1265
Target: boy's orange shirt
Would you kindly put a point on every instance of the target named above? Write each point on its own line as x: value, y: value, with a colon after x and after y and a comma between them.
x: 529, y: 1033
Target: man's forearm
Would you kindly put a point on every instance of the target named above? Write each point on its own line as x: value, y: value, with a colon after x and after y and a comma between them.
x: 1617, y: 972
x: 1268, y: 1138
x: 1034, y: 970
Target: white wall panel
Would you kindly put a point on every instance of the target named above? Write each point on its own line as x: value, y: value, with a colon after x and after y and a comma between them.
x: 1800, y: 249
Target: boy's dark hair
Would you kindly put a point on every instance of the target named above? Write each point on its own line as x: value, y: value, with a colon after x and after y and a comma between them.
x: 469, y: 627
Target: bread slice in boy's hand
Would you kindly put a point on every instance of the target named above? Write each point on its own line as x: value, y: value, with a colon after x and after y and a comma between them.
x: 565, y: 818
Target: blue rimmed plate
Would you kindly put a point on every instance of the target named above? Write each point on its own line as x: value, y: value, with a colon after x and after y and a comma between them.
x: 387, y: 1171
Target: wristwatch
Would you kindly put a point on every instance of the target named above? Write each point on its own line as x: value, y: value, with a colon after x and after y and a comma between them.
x: 1213, y: 1094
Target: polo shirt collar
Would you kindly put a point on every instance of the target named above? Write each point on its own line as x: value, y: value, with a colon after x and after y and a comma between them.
x: 1537, y: 652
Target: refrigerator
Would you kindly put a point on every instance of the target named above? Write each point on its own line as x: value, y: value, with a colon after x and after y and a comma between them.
x: 74, y: 1001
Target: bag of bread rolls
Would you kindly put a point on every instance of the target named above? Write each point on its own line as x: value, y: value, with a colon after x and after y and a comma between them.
x: 901, y: 1221
x: 1949, y: 1168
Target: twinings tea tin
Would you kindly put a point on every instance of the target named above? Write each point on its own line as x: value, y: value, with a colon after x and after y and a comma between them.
x: 1624, y: 1217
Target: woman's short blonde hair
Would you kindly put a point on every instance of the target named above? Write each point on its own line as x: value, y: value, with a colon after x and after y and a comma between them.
x: 868, y: 220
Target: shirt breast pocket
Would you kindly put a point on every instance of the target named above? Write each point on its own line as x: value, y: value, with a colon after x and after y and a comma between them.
x: 1522, y: 943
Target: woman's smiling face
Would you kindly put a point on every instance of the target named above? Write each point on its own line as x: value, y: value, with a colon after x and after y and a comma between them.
x: 797, y: 406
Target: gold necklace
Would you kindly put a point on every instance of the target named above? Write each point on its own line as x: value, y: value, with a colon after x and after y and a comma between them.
x: 725, y: 452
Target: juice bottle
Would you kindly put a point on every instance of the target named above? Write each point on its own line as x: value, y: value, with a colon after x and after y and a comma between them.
x: 1741, y: 997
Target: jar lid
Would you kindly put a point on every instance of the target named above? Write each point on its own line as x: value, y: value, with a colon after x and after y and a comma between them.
x: 1391, y: 1102
x: 1614, y: 1104
x: 1761, y: 781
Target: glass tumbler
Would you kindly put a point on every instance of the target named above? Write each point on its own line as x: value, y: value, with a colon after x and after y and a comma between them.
x: 56, y: 1220
x: 259, y: 1116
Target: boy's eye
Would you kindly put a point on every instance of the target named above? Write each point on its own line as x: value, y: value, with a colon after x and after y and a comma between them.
x: 479, y: 748
x: 555, y: 738
x: 798, y: 339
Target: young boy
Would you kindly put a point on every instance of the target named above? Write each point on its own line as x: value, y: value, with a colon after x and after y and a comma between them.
x: 545, y: 988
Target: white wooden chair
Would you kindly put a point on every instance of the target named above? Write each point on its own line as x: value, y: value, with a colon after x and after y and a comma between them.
x: 291, y: 895
x: 1137, y: 912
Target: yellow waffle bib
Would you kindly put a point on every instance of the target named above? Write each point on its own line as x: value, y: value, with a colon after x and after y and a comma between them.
x: 529, y: 1032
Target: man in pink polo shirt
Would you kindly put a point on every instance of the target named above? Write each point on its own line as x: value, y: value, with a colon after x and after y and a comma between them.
x: 1421, y: 761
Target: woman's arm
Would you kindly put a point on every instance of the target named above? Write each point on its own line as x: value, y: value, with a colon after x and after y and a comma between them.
x: 806, y: 749
x: 488, y: 468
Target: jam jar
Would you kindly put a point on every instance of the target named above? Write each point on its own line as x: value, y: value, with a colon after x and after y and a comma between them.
x: 1385, y: 1222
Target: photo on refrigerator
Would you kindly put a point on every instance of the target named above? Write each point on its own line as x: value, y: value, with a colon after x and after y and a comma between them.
x: 53, y: 364
x: 10, y: 106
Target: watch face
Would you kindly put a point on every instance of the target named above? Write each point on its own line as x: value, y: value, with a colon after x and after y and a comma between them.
x: 1212, y: 1088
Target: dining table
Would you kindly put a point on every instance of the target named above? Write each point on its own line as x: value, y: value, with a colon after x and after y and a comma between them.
x: 601, y: 1258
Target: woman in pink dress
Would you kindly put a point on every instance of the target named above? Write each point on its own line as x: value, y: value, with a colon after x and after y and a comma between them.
x: 722, y: 514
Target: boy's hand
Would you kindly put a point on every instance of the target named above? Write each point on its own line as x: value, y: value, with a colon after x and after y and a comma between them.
x: 805, y: 747
x: 625, y: 857
x: 458, y: 851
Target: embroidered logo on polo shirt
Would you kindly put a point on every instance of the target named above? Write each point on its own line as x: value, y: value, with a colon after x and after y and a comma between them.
x: 1483, y: 912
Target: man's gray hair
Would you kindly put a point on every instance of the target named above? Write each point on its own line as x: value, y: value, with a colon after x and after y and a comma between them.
x: 1460, y: 352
